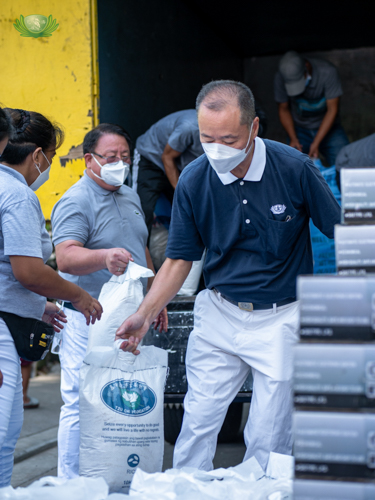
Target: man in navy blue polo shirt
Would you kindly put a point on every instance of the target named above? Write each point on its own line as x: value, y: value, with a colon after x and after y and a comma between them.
x: 248, y: 201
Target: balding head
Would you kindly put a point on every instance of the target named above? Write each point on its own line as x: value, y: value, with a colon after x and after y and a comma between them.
x: 219, y: 94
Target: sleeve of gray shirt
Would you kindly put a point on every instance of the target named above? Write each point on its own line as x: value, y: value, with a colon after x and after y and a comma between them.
x: 181, y: 137
x: 357, y: 154
x: 69, y: 222
x: 332, y: 84
x: 20, y: 225
x: 279, y: 89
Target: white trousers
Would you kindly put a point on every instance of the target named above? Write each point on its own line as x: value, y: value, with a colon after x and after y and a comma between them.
x: 72, y: 352
x: 11, y: 403
x: 225, y: 344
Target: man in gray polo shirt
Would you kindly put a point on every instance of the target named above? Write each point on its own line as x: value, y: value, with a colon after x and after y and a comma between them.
x: 308, y: 92
x: 357, y: 154
x: 98, y: 226
x: 161, y: 154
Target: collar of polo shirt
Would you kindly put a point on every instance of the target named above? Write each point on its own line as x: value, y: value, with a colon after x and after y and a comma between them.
x: 256, y: 168
x: 99, y: 189
x: 11, y: 171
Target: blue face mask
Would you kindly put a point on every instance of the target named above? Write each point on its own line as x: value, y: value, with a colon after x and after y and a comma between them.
x: 308, y: 80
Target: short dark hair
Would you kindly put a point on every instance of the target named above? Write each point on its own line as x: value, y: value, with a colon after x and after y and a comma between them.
x: 6, y: 128
x: 218, y: 94
x: 92, y: 138
x: 30, y: 131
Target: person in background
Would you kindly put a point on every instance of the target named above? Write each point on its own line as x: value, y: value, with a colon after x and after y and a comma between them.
x: 248, y: 201
x: 161, y: 154
x: 357, y: 154
x: 97, y: 228
x: 308, y: 92
x: 25, y: 246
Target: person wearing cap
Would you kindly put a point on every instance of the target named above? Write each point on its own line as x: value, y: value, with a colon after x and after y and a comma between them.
x: 308, y: 92
x: 248, y: 201
x: 97, y: 227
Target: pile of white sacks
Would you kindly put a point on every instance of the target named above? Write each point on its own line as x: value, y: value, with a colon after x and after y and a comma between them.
x: 247, y: 481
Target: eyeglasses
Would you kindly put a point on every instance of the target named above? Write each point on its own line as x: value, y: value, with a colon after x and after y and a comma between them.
x: 112, y: 159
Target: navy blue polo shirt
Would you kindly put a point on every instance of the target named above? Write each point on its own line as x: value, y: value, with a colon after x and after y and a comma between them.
x: 256, y: 229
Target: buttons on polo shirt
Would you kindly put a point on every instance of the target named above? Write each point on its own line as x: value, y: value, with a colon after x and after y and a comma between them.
x: 247, y: 221
x: 244, y: 202
x: 242, y: 183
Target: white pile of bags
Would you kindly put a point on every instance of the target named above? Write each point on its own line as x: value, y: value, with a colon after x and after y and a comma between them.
x: 247, y: 481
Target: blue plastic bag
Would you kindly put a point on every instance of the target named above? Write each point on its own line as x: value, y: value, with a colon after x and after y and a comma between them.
x: 323, y: 247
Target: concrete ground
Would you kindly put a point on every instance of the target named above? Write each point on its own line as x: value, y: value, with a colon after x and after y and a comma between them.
x: 36, y: 451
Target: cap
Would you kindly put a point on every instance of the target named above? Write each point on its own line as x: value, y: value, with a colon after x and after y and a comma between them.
x: 292, y: 68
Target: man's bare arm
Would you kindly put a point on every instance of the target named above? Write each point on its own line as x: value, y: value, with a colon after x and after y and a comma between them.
x: 325, y: 126
x: 288, y: 124
x: 168, y: 158
x: 73, y: 258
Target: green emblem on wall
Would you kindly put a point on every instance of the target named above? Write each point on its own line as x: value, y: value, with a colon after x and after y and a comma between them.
x: 36, y: 26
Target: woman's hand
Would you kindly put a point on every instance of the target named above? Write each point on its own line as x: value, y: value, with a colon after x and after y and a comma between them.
x: 161, y: 321
x: 55, y: 316
x: 88, y: 306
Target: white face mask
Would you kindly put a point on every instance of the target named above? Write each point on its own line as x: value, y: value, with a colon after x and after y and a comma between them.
x: 42, y: 177
x: 113, y: 174
x: 223, y: 158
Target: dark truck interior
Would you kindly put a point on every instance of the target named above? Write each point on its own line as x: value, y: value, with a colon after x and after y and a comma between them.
x: 155, y: 56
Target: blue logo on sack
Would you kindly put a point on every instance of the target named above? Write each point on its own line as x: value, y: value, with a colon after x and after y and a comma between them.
x: 128, y: 397
x: 133, y: 460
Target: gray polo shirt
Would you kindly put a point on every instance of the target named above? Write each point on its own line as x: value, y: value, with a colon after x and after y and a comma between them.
x: 179, y: 130
x: 309, y: 108
x: 22, y: 232
x: 98, y: 219
x: 357, y: 154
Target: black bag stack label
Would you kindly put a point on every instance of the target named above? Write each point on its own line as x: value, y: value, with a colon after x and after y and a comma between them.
x: 334, y: 376
x: 332, y: 490
x: 358, y: 195
x: 334, y: 445
x: 354, y: 246
x: 334, y: 363
x: 337, y: 308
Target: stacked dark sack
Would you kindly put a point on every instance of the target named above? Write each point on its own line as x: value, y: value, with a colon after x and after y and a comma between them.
x: 334, y: 380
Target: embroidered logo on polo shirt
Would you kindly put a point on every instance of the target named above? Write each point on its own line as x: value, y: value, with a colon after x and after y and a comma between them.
x: 278, y: 209
x: 136, y: 212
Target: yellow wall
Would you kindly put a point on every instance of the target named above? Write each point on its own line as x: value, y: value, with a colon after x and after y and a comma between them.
x: 54, y: 76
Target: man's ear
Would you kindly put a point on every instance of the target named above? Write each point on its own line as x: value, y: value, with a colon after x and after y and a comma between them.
x: 88, y: 160
x: 255, y: 127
